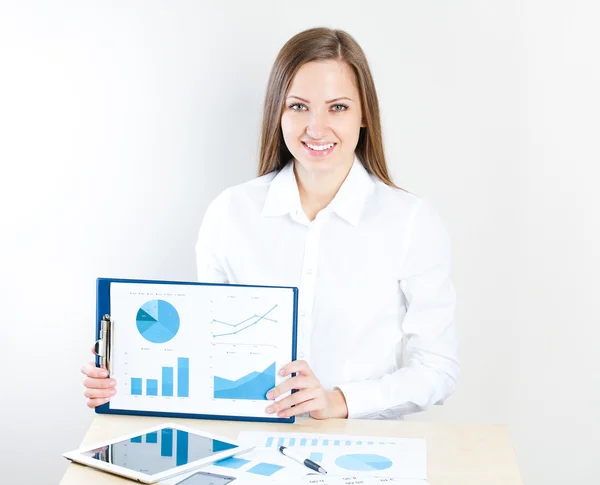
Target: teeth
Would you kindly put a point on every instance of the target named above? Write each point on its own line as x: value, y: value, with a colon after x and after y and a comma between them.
x: 319, y: 147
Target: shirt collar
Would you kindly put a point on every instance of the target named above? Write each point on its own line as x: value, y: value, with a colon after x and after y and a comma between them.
x: 350, y: 199
x: 283, y: 197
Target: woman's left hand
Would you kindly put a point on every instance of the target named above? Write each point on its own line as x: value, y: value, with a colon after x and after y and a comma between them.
x: 310, y: 396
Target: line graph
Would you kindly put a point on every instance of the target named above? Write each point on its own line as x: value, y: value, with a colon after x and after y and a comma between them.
x: 243, y: 321
x: 236, y: 325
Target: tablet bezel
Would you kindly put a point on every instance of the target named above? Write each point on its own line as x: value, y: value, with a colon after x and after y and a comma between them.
x: 78, y: 456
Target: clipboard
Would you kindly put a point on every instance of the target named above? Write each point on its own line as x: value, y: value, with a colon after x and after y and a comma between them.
x: 192, y: 349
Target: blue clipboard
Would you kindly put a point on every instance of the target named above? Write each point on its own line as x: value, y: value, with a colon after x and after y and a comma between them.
x: 103, y: 308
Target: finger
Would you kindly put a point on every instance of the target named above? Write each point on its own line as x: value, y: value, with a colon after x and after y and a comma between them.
x: 93, y: 403
x: 99, y: 393
x: 92, y: 383
x: 91, y: 370
x: 305, y: 407
x: 297, y: 366
x: 292, y: 399
x: 298, y: 382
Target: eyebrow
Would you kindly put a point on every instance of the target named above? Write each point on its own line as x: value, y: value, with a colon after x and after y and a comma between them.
x: 326, y: 102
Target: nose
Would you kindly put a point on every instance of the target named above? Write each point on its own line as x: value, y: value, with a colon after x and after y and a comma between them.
x: 317, y: 126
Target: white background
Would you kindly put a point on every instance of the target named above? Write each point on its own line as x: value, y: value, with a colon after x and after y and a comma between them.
x: 120, y: 121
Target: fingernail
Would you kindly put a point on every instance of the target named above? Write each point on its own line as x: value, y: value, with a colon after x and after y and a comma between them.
x: 270, y: 409
x: 103, y: 373
x: 113, y: 392
x: 113, y: 383
x: 270, y: 395
x: 282, y: 372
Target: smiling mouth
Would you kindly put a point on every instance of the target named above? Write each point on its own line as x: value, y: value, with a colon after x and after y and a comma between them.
x: 319, y: 150
x: 320, y: 146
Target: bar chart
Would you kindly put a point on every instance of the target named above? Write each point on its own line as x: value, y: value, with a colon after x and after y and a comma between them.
x: 316, y: 441
x: 178, y: 444
x: 167, y: 444
x: 167, y: 382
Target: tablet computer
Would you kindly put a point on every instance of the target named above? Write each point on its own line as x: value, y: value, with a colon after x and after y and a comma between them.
x: 157, y: 453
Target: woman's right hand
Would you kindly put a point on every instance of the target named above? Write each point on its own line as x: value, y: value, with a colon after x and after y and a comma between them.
x: 99, y: 388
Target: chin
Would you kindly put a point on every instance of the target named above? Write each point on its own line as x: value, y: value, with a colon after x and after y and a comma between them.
x: 326, y: 164
x: 318, y: 166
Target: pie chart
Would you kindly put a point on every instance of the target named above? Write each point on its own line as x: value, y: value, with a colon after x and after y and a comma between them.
x: 157, y: 321
x: 363, y: 462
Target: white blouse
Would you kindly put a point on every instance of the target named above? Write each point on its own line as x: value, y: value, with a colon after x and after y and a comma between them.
x: 375, y: 304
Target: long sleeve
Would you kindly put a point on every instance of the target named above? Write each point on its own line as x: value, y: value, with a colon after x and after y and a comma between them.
x: 431, y: 366
x: 209, y: 247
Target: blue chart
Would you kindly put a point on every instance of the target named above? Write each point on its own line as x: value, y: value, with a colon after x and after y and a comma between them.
x: 181, y: 445
x: 363, y: 462
x: 157, y: 321
x: 237, y: 327
x: 166, y: 444
x: 232, y: 462
x: 273, y: 441
x: 252, y: 386
x: 316, y: 456
x: 168, y: 381
x: 264, y: 469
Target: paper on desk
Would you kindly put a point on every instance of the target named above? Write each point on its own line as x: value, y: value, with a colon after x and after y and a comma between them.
x: 266, y: 439
x: 356, y: 480
x: 349, y: 460
x: 342, y: 454
x: 242, y: 479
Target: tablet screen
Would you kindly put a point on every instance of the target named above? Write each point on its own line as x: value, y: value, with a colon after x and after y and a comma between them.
x: 159, y: 451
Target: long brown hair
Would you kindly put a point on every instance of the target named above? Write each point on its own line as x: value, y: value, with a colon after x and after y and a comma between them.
x: 321, y: 44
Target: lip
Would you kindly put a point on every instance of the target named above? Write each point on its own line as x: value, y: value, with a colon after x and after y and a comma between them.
x: 319, y: 153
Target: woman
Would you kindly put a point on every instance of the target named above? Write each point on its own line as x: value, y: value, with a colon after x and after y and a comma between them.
x: 376, y: 335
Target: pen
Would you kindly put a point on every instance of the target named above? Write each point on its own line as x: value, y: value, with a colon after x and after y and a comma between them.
x: 303, y: 461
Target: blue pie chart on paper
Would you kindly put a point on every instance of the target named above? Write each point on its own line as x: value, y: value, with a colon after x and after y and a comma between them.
x: 363, y: 462
x: 157, y: 321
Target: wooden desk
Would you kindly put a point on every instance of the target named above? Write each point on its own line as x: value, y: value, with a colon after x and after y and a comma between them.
x: 457, y: 454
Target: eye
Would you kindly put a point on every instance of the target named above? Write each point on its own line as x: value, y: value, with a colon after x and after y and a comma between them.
x: 339, y: 107
x: 297, y: 107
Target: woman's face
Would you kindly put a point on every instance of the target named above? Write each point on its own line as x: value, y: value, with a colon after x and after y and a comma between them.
x: 322, y: 116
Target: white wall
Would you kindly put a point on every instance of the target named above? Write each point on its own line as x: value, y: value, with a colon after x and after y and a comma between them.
x: 119, y: 121
x: 554, y: 416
